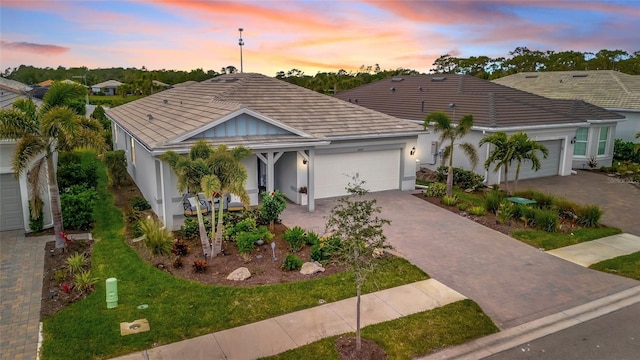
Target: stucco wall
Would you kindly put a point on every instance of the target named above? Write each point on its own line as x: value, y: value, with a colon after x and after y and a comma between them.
x: 582, y: 162
x: 286, y: 175
x: 626, y: 130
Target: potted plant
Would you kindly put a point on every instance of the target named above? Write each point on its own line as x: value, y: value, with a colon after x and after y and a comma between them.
x: 303, y: 195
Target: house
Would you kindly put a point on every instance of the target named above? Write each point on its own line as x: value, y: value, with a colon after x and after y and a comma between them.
x: 106, y: 88
x: 14, y: 195
x: 608, y: 89
x: 299, y: 138
x: 560, y: 125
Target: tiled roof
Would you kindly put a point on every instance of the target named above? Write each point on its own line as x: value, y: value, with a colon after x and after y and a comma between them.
x: 10, y: 92
x: 107, y: 84
x: 16, y: 85
x: 606, y: 88
x: 492, y: 105
x: 183, y: 110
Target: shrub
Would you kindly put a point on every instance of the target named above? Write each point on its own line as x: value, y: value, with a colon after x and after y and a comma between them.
x: 492, y: 200
x: 180, y: 248
x: 84, y: 281
x: 190, y: 230
x: 59, y: 275
x: 295, y: 237
x: 77, y: 207
x: 116, y: 163
x: 312, y: 238
x: 76, y: 263
x: 78, y: 174
x: 477, y: 211
x: 546, y: 220
x: 566, y: 209
x: 246, y: 240
x: 463, y: 206
x: 199, y: 266
x: 589, y: 216
x: 625, y: 151
x: 543, y: 201
x: 450, y: 200
x: 273, y: 204
x: 136, y: 229
x: 435, y: 189
x: 464, y: 179
x: 292, y: 262
x: 157, y: 239
x: 177, y: 262
x: 36, y: 223
x: 246, y: 225
x: 505, y: 211
x: 323, y: 249
x: 140, y: 204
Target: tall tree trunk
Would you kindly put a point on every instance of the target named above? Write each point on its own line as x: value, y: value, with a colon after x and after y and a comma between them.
x: 506, y: 179
x: 217, y: 244
x: 515, y: 183
x: 450, y: 173
x: 358, y: 339
x: 204, y: 239
x: 56, y: 209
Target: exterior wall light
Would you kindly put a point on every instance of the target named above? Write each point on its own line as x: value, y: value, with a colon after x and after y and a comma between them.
x: 413, y: 151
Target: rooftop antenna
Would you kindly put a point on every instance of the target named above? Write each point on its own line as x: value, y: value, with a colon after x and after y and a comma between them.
x: 241, y: 43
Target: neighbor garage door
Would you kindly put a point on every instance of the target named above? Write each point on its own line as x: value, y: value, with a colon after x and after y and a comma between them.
x: 10, y: 203
x: 548, y: 167
x: 379, y: 169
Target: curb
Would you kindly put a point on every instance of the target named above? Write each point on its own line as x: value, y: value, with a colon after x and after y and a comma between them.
x: 510, y: 338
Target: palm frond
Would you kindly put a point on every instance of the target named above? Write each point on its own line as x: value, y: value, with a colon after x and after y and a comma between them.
x: 14, y: 124
x: 471, y: 153
x: 36, y: 182
x: 62, y: 94
x: 28, y: 148
x: 464, y: 126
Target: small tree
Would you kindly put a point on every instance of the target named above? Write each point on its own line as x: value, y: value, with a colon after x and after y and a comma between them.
x: 273, y: 204
x: 355, y: 222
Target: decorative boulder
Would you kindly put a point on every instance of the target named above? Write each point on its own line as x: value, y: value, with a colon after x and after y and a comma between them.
x: 309, y: 268
x: 239, y: 274
x: 378, y: 252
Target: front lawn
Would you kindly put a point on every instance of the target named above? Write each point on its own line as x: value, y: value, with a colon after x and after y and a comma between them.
x: 626, y: 265
x: 412, y: 335
x: 179, y: 309
x: 549, y: 241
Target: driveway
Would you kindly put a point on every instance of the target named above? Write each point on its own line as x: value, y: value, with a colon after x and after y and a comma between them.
x: 21, y: 271
x: 620, y: 200
x: 514, y: 283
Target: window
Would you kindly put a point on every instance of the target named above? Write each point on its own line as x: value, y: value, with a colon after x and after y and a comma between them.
x: 602, y: 140
x: 580, y: 147
x: 133, y: 151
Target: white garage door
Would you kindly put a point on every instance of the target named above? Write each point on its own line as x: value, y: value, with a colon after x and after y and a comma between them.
x: 548, y: 167
x: 379, y: 169
x: 10, y: 203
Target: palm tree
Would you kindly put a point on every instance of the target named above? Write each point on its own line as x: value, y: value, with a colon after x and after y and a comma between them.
x: 502, y: 154
x: 40, y: 134
x: 526, y: 149
x: 190, y: 171
x: 450, y: 133
x: 228, y: 177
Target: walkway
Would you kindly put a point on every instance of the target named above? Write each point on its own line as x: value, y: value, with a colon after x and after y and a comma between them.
x: 21, y: 271
x: 591, y: 252
x: 514, y: 283
x: 620, y: 200
x: 276, y: 335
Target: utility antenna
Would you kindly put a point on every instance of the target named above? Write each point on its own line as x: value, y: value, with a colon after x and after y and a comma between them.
x: 241, y: 43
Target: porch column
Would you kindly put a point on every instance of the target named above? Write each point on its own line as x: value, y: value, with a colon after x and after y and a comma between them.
x: 270, y: 160
x: 311, y: 188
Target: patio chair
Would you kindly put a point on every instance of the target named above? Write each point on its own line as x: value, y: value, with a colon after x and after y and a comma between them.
x: 189, y: 204
x: 234, y: 203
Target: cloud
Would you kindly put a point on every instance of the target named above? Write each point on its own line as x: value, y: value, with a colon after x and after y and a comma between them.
x: 43, y: 49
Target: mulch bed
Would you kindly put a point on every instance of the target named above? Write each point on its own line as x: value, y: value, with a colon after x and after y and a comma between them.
x: 370, y: 350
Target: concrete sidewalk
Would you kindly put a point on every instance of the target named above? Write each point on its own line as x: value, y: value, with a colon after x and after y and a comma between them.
x: 591, y: 252
x: 282, y: 333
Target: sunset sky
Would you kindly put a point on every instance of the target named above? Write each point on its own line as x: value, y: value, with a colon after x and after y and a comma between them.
x: 308, y: 35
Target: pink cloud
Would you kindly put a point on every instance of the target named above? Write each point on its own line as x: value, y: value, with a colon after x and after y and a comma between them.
x: 43, y: 49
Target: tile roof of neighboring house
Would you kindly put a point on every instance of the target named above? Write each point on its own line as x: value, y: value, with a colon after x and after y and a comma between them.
x: 45, y: 83
x: 187, y: 110
x: 107, y: 84
x: 606, y: 88
x: 11, y: 90
x: 186, y: 83
x: 160, y: 83
x: 12, y: 84
x: 492, y: 105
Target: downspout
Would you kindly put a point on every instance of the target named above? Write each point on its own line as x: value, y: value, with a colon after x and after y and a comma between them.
x: 164, y: 204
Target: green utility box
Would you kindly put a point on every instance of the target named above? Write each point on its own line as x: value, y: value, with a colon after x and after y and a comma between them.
x: 112, y: 293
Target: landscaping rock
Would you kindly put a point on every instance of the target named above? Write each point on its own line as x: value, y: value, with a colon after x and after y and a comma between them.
x: 309, y: 268
x: 239, y: 274
x: 378, y: 252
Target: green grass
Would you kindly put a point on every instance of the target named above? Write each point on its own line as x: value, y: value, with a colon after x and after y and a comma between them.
x: 626, y: 265
x: 422, y: 182
x: 550, y: 241
x: 413, y: 335
x: 112, y: 101
x: 179, y: 309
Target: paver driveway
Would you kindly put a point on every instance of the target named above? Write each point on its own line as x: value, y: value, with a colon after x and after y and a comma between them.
x: 513, y: 282
x: 620, y: 200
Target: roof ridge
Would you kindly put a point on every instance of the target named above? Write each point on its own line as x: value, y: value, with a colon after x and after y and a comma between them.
x: 492, y: 110
x: 622, y: 85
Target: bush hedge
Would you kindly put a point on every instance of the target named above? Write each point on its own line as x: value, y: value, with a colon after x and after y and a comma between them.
x: 464, y: 179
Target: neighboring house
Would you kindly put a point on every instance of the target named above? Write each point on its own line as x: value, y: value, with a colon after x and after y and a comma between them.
x: 14, y: 195
x: 106, y: 88
x: 557, y: 124
x: 160, y: 84
x: 186, y: 83
x: 299, y: 138
x: 609, y: 89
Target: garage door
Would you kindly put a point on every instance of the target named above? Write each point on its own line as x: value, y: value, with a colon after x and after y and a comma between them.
x: 548, y: 167
x: 10, y: 203
x: 379, y: 169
